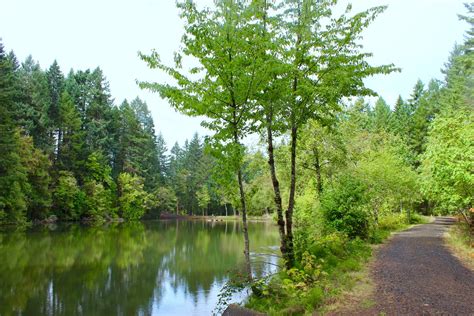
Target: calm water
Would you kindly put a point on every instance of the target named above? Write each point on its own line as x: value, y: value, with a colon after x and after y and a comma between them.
x: 155, y: 268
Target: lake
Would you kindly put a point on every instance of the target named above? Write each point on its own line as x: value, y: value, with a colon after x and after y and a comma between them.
x: 175, y: 267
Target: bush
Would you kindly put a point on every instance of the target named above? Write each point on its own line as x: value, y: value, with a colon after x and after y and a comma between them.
x: 68, y: 200
x: 98, y: 201
x: 416, y: 218
x: 132, y: 196
x: 343, y: 208
x: 304, y: 288
x: 393, y: 221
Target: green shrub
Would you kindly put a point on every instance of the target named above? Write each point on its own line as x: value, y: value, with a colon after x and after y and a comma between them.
x: 132, y: 196
x: 314, y: 298
x: 392, y: 221
x: 304, y: 287
x: 343, y: 208
x: 416, y: 218
x: 98, y: 201
x: 68, y: 200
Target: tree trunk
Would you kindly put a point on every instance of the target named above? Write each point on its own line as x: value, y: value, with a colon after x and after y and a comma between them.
x: 244, y: 216
x: 245, y: 226
x: 59, y: 144
x: 317, y: 167
x: 291, y: 199
x: 276, y: 186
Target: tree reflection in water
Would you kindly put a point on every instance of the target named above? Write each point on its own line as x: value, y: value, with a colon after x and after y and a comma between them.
x: 160, y: 267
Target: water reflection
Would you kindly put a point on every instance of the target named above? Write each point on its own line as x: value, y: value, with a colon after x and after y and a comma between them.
x: 169, y: 267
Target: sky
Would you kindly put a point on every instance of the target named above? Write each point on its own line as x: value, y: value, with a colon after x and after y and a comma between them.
x: 415, y: 35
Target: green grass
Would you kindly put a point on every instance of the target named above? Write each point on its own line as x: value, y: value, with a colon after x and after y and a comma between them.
x: 461, y: 244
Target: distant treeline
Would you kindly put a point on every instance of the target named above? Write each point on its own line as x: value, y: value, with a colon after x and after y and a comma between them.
x: 67, y: 150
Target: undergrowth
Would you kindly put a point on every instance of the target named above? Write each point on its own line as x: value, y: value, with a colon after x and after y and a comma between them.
x: 325, y: 267
x: 461, y: 242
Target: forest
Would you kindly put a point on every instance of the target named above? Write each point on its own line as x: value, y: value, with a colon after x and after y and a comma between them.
x: 71, y: 153
x: 336, y: 165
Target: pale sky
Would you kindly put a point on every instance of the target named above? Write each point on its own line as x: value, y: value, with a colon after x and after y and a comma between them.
x: 416, y: 35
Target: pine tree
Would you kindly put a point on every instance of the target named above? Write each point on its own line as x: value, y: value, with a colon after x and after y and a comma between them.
x: 163, y: 160
x: 38, y: 195
x: 98, y: 114
x: 70, y: 148
x: 153, y: 148
x: 32, y: 110
x: 428, y: 107
x: 56, y: 88
x: 381, y: 116
x: 13, y: 178
x: 130, y: 140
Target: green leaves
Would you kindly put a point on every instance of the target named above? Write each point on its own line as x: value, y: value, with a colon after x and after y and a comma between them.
x: 68, y: 198
x: 447, y: 165
x: 132, y: 196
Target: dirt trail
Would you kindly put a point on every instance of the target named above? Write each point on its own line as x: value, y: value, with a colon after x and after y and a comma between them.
x: 416, y: 275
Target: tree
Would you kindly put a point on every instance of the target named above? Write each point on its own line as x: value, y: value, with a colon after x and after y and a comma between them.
x: 318, y: 71
x: 32, y: 109
x: 98, y: 202
x: 221, y: 39
x: 99, y: 188
x: 195, y: 177
x: 166, y: 199
x: 258, y: 184
x: 130, y: 141
x: 153, y: 148
x: 426, y: 109
x: 71, y: 145
x: 401, y: 117
x: 68, y: 200
x: 90, y: 93
x: 13, y: 175
x: 381, y: 116
x: 388, y: 180
x: 343, y: 206
x: 56, y: 87
x: 177, y: 174
x: 447, y: 163
x: 163, y: 163
x: 38, y: 194
x: 323, y: 151
x: 203, y: 198
x: 131, y: 196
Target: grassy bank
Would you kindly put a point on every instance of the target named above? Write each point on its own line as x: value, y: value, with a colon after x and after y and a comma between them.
x: 332, y: 272
x: 461, y: 244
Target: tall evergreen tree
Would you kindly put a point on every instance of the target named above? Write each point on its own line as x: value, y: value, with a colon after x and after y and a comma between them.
x: 13, y: 178
x: 401, y: 117
x: 70, y: 149
x: 427, y: 108
x: 56, y: 88
x: 32, y: 111
x: 38, y: 194
x: 130, y: 141
x: 154, y: 148
x: 381, y: 116
x: 163, y: 160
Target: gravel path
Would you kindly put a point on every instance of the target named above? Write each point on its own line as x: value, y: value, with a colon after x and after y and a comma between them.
x: 416, y: 275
